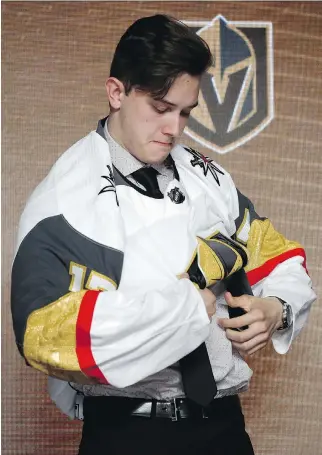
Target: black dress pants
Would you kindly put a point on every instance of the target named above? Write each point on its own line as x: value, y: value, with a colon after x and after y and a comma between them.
x: 114, y: 432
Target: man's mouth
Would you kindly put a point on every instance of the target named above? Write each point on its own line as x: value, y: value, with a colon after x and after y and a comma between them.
x: 164, y: 143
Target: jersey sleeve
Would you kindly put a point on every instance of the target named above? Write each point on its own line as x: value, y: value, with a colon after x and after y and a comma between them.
x: 276, y: 266
x: 72, y: 322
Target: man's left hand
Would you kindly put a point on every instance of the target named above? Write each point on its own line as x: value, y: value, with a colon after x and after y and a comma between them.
x: 263, y: 316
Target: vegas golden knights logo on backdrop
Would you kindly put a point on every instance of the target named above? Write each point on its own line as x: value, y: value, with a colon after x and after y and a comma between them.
x: 236, y: 96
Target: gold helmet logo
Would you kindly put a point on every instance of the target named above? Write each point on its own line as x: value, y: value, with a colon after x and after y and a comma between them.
x: 236, y: 96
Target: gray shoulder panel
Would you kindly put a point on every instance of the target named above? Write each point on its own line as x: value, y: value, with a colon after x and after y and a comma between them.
x: 40, y: 273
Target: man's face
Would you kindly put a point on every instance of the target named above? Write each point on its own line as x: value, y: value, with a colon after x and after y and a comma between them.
x: 148, y: 128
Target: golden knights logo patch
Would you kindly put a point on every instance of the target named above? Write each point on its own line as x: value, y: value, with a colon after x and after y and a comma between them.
x: 236, y: 96
x: 206, y: 164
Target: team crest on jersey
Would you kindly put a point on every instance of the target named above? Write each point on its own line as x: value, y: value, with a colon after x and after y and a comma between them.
x: 110, y: 183
x: 236, y: 96
x: 206, y: 164
x: 176, y: 195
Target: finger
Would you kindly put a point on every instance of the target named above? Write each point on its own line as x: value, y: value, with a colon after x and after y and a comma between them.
x: 243, y: 301
x: 238, y: 322
x: 234, y: 301
x: 241, y: 337
x: 257, y: 348
x: 183, y: 275
x: 229, y: 298
x: 209, y: 293
x: 247, y: 352
x: 254, y: 330
x: 251, y: 345
x: 212, y: 309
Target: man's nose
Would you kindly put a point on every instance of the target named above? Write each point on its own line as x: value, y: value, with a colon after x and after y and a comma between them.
x: 173, y: 126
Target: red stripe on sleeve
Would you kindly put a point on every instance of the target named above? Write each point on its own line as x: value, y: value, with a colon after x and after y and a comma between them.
x: 256, y: 275
x: 83, y: 337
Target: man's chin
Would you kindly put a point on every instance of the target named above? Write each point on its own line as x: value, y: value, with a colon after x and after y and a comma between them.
x: 159, y: 153
x: 157, y: 159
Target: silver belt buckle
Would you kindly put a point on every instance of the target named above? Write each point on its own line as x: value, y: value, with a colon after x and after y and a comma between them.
x: 174, y: 410
x: 167, y: 409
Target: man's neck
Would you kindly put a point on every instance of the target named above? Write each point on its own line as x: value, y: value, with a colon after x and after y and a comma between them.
x: 122, y: 159
x: 114, y: 130
x: 112, y: 136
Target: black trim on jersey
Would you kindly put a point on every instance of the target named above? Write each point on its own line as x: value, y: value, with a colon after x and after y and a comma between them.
x: 121, y: 179
x: 244, y: 203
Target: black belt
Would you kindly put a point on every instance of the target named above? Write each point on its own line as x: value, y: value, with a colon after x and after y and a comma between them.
x: 175, y: 409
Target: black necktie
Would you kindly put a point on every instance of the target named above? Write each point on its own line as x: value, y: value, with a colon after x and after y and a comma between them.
x: 197, y: 377
x: 237, y: 284
x: 148, y: 178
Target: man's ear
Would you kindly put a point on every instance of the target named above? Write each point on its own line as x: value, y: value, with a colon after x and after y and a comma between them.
x: 115, y: 92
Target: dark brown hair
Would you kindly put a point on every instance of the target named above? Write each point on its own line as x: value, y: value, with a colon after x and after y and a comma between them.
x: 154, y: 51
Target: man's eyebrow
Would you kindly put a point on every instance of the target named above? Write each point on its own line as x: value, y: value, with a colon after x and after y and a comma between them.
x: 175, y: 105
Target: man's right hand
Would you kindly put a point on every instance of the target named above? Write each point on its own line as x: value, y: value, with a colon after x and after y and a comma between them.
x: 209, y: 299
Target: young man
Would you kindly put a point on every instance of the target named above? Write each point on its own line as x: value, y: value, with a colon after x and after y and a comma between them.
x: 122, y: 250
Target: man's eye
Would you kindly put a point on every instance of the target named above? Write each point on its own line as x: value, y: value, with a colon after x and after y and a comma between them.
x: 185, y: 114
x: 161, y: 110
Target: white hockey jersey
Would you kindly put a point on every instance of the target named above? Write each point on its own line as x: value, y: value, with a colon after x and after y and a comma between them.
x: 96, y: 297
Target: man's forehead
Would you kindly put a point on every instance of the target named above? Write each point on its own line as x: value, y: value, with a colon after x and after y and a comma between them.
x: 167, y: 101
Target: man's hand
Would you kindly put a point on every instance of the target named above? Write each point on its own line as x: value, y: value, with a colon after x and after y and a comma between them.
x: 263, y: 316
x: 208, y: 297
